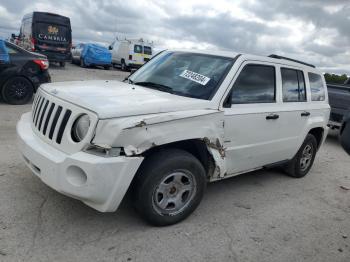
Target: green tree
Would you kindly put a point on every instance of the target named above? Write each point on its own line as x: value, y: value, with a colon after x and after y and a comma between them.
x: 335, y: 79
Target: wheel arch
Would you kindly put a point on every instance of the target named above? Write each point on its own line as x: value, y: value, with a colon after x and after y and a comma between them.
x: 197, y: 147
x: 318, y: 133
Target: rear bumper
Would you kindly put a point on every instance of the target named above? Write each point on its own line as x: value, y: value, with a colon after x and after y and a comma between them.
x: 41, y: 78
x: 99, y: 182
x: 337, y: 115
x: 56, y: 56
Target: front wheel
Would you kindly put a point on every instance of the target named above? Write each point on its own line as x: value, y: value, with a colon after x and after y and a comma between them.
x: 169, y: 187
x: 301, y: 164
x: 62, y: 64
x: 17, y: 91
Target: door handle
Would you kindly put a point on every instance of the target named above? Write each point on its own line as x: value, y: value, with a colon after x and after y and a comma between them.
x: 305, y: 113
x: 272, y: 117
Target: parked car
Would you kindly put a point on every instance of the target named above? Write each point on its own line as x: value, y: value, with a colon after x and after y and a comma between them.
x: 76, y: 53
x: 130, y: 53
x: 183, y: 119
x: 47, y: 33
x: 339, y: 100
x: 92, y: 55
x: 21, y: 73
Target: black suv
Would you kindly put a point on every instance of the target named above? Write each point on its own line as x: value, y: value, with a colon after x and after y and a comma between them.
x: 21, y: 73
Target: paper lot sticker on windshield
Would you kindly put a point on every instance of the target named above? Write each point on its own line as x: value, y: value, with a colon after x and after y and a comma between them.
x: 198, y: 78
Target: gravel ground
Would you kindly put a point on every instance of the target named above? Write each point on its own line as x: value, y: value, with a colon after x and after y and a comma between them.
x: 260, y: 216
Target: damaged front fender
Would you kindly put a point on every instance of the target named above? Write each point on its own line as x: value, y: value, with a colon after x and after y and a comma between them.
x: 138, y: 134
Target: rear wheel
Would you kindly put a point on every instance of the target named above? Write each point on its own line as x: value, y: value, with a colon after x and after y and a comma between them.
x: 301, y: 164
x: 82, y: 63
x: 169, y: 187
x: 17, y: 91
x: 62, y: 64
x: 123, y: 66
x: 107, y: 67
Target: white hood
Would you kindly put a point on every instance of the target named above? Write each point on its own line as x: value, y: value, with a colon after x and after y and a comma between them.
x: 117, y: 99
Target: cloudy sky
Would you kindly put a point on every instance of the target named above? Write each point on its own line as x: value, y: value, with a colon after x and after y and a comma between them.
x: 316, y: 31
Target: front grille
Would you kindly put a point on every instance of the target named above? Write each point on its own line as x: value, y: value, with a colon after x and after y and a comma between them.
x: 49, y: 118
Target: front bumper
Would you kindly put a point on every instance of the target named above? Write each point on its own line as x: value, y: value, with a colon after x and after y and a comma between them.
x: 99, y: 182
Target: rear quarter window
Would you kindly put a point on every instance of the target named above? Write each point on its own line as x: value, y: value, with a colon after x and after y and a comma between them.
x: 317, y: 87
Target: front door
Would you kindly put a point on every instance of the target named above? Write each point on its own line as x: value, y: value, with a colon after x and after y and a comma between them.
x: 254, y: 126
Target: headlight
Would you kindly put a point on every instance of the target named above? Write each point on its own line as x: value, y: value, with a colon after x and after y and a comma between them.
x: 80, y: 128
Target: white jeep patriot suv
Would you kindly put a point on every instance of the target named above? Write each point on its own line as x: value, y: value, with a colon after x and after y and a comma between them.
x: 183, y: 119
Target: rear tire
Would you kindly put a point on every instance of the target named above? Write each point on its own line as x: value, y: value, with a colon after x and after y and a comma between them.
x: 62, y: 64
x: 302, y: 162
x: 82, y: 63
x: 123, y: 66
x: 168, y: 187
x: 17, y: 91
x: 107, y: 67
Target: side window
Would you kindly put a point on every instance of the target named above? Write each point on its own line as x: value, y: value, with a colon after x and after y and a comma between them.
x: 317, y: 88
x: 255, y: 84
x: 138, y: 49
x: 147, y: 50
x: 293, y: 85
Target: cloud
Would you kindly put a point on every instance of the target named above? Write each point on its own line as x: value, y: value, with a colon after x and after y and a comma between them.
x: 315, y: 31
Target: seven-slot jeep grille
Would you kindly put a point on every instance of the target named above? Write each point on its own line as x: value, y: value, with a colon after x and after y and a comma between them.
x: 46, y: 115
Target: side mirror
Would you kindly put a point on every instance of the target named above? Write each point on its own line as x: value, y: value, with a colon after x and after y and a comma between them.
x: 345, y: 134
x: 110, y: 48
x: 13, y: 36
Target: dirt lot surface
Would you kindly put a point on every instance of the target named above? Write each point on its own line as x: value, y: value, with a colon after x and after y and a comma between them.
x: 260, y: 216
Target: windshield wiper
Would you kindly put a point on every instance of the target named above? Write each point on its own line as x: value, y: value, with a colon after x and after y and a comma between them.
x: 159, y: 87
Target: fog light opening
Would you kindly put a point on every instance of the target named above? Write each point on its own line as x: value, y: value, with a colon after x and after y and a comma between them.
x: 76, y: 176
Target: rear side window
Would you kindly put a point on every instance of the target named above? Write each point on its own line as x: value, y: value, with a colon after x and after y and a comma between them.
x: 293, y: 85
x: 255, y: 84
x: 317, y: 87
x: 138, y: 49
x: 147, y: 50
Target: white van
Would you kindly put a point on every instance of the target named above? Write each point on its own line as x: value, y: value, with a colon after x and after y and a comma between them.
x: 130, y: 53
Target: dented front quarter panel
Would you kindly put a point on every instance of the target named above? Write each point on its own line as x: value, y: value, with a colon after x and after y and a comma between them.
x: 137, y: 134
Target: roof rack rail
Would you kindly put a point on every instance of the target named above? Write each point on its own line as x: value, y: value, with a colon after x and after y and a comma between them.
x: 290, y: 59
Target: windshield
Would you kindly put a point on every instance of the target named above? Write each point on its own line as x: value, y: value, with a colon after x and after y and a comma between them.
x: 187, y: 74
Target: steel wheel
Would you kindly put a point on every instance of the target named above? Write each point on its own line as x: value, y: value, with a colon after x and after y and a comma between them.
x: 174, y: 193
x: 306, y: 157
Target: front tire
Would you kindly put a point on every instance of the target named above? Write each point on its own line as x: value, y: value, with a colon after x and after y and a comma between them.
x: 62, y: 64
x: 169, y: 187
x: 301, y: 164
x: 17, y: 91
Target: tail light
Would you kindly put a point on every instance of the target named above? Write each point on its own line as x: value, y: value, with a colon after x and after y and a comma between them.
x: 32, y: 44
x: 130, y: 57
x: 42, y: 63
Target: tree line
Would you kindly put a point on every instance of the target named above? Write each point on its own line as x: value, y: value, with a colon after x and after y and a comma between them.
x: 335, y: 79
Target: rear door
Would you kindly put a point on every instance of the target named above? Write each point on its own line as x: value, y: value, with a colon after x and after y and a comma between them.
x: 52, y: 37
x: 254, y: 125
x: 137, y: 54
x: 294, y: 107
